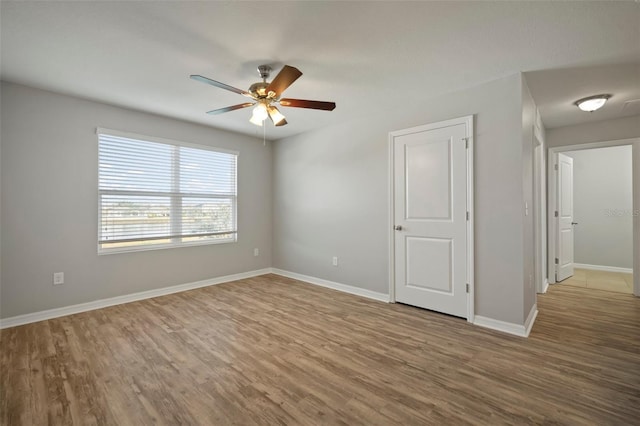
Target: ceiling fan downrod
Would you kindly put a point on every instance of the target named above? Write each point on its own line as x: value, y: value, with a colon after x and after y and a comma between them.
x: 264, y: 71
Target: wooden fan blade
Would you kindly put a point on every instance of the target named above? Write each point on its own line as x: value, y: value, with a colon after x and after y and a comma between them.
x: 303, y: 103
x: 284, y: 79
x: 220, y: 85
x: 231, y: 108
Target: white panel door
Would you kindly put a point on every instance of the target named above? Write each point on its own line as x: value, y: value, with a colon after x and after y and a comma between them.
x: 564, y: 243
x: 430, y: 209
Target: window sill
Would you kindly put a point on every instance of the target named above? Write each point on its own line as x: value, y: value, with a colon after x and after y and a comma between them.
x: 104, y: 252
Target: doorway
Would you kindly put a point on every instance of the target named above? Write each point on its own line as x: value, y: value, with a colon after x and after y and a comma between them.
x: 591, y: 216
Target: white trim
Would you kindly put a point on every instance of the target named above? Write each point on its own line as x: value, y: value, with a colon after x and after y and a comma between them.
x: 552, y: 162
x: 471, y: 222
x: 603, y: 268
x: 119, y: 300
x: 468, y: 121
x: 531, y: 318
x: 603, y: 144
x: 545, y: 286
x: 503, y: 326
x: 382, y: 297
x: 508, y: 327
x: 539, y: 207
x: 151, y: 247
x: 392, y: 224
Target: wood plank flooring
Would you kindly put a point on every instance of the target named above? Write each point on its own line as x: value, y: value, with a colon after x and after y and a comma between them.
x: 274, y: 351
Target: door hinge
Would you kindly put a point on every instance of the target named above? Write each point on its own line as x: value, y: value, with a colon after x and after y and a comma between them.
x: 467, y: 215
x: 466, y: 143
x: 555, y: 167
x: 467, y: 287
x: 555, y: 213
x: 556, y: 260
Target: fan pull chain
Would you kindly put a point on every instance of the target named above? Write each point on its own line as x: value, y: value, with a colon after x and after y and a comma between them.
x: 264, y: 133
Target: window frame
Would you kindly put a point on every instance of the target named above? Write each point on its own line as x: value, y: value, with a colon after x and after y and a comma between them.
x: 173, y: 243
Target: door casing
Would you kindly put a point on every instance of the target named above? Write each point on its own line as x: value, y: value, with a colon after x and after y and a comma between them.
x: 540, y: 214
x: 468, y: 121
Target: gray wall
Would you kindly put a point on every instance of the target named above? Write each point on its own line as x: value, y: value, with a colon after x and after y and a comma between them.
x: 636, y: 218
x: 331, y: 196
x: 598, y: 131
x: 49, y: 205
x: 602, y: 200
x: 528, y: 243
x: 0, y: 204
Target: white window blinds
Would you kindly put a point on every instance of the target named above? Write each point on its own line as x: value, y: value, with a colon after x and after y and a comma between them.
x: 155, y: 193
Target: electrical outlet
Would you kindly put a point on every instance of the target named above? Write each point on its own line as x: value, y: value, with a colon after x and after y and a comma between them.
x: 58, y: 278
x: 335, y: 261
x: 256, y: 252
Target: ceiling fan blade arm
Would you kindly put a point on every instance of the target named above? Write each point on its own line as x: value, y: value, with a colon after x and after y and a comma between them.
x: 284, y: 79
x: 303, y: 103
x: 230, y: 108
x: 282, y: 123
x: 220, y: 85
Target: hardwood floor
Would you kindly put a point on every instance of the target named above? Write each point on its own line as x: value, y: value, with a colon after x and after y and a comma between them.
x: 271, y: 350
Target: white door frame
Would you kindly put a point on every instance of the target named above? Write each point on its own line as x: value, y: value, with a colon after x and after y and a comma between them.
x: 540, y: 214
x: 468, y: 122
x: 552, y: 201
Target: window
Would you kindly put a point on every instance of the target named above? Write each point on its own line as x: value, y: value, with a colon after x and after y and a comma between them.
x: 155, y: 193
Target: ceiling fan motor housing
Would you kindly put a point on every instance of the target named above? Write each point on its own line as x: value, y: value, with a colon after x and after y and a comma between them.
x: 259, y: 90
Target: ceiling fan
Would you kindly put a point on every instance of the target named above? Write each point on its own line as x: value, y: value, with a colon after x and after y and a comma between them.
x: 264, y: 95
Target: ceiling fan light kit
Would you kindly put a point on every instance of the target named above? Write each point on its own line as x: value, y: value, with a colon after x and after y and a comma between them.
x: 276, y: 116
x: 259, y: 114
x: 264, y: 95
x: 592, y: 103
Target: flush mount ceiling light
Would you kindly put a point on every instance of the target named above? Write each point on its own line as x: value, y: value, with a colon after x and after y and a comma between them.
x: 591, y: 103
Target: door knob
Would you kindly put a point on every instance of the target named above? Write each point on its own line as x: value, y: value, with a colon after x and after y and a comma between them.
x: 398, y: 227
x: 574, y: 223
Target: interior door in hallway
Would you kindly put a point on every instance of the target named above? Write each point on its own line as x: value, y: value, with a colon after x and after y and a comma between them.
x: 564, y: 243
x: 430, y: 213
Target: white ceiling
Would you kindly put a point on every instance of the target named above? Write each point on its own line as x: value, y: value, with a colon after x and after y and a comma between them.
x: 556, y: 90
x: 363, y: 55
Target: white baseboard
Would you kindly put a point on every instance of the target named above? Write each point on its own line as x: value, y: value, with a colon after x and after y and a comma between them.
x: 516, y: 329
x: 603, y: 268
x: 508, y: 327
x: 531, y: 318
x: 545, y: 286
x: 383, y: 297
x: 118, y: 300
